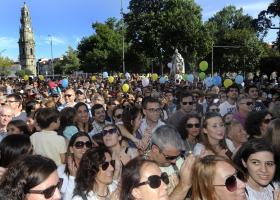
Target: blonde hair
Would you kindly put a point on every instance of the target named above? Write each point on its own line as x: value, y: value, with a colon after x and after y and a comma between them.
x: 203, y: 174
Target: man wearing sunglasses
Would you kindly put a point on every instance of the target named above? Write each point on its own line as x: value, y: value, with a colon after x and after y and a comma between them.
x: 166, y: 150
x: 15, y: 101
x: 69, y: 97
x: 186, y: 107
x: 252, y: 92
x: 244, y: 106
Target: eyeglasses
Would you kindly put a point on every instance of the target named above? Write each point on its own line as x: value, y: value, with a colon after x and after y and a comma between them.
x: 266, y: 121
x: 11, y: 101
x: 68, y: 95
x: 187, y: 102
x: 193, y: 125
x: 214, y: 110
x: 248, y: 103
x: 118, y: 116
x: 154, y: 181
x: 153, y: 110
x: 106, y: 164
x: 80, y: 144
x: 109, y: 131
x: 231, y: 181
x: 49, y: 192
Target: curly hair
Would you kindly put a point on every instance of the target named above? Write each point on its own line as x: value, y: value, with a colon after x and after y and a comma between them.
x: 25, y: 174
x: 131, y: 177
x: 254, y: 121
x: 182, y: 129
x: 88, y: 170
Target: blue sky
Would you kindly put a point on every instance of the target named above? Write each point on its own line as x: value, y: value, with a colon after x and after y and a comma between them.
x: 67, y: 21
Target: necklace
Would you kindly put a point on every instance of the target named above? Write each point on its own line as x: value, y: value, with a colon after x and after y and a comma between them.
x: 103, y: 196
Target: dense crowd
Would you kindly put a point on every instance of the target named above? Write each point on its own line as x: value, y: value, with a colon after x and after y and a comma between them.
x: 121, y: 139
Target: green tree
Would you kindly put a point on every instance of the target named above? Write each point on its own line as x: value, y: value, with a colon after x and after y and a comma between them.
x: 156, y: 28
x: 69, y: 63
x: 23, y: 72
x: 5, y: 63
x: 102, y: 51
x: 230, y: 27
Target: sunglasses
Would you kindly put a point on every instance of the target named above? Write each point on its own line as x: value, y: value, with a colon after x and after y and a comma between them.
x: 118, y: 116
x: 49, y: 192
x: 231, y: 182
x: 266, y: 121
x: 174, y: 157
x: 154, y: 181
x: 68, y: 95
x: 109, y: 131
x: 80, y: 144
x: 248, y: 103
x: 186, y: 103
x: 193, y: 125
x: 214, y: 110
x: 106, y: 164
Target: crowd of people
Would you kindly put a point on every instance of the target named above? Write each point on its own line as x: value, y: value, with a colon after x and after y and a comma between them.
x: 94, y: 140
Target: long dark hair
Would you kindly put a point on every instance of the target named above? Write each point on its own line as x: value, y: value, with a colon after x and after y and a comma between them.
x: 25, y: 174
x: 88, y: 170
x: 12, y: 147
x: 21, y: 125
x: 131, y: 177
x: 77, y: 106
x: 66, y: 117
x: 182, y: 129
x: 129, y: 115
x: 71, y: 144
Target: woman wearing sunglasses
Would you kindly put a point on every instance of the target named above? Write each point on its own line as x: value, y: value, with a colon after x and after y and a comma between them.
x: 94, y: 179
x: 190, y: 130
x: 78, y: 145
x: 217, y: 178
x: 257, y: 122
x: 142, y: 179
x: 257, y: 159
x: 31, y: 178
x: 213, y: 137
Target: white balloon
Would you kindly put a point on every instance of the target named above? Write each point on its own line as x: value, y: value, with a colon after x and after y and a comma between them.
x: 145, y: 82
x: 127, y: 75
x: 169, y: 65
x: 105, y: 75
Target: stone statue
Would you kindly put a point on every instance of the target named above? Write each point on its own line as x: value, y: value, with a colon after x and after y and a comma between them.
x: 178, y: 64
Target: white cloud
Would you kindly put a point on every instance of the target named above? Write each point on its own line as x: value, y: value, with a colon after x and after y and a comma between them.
x: 56, y: 40
x: 8, y: 42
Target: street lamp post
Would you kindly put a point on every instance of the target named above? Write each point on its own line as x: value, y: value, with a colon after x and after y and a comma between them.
x: 51, y: 54
x: 123, y: 62
x: 225, y: 47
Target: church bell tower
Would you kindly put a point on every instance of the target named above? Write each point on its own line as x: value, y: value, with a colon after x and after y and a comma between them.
x: 26, y: 42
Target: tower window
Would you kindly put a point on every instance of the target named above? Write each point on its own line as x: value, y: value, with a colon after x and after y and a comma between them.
x: 31, y: 51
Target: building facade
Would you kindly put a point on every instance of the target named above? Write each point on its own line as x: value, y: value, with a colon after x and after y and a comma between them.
x: 26, y: 42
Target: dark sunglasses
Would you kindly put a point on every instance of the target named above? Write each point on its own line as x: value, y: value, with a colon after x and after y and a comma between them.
x: 105, y: 165
x: 80, y: 144
x: 186, y: 103
x: 174, y: 157
x: 266, y: 121
x: 49, y: 192
x: 154, y: 181
x: 193, y: 125
x: 118, y: 116
x: 214, y: 110
x: 248, y: 103
x: 109, y: 131
x: 67, y: 95
x: 231, y: 182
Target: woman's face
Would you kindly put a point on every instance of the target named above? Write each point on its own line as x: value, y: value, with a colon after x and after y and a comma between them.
x: 137, y: 121
x: 223, y: 171
x: 264, y: 123
x: 82, y: 114
x: 52, y: 180
x: 215, y: 129
x: 145, y: 192
x: 111, y: 138
x: 261, y: 169
x: 12, y: 129
x: 105, y: 176
x: 193, y: 127
x: 238, y: 134
x: 79, y: 147
x: 118, y: 115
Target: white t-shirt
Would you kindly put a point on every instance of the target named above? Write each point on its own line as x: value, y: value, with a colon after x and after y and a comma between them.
x: 266, y: 193
x: 68, y: 183
x: 226, y: 107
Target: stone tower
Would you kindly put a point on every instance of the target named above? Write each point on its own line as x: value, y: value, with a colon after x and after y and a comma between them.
x: 26, y: 42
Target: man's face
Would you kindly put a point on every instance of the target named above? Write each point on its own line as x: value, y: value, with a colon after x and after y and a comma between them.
x: 167, y: 156
x: 245, y: 105
x: 253, y: 93
x: 69, y: 96
x: 152, y: 111
x: 13, y: 103
x: 187, y: 104
x: 232, y: 93
x: 6, y: 116
x: 169, y: 97
x: 99, y: 115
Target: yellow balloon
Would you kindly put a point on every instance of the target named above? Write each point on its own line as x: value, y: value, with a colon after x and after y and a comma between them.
x: 111, y: 79
x: 125, y: 87
x: 93, y: 78
x: 41, y: 77
x: 25, y: 77
x: 154, y: 76
x: 228, y: 82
